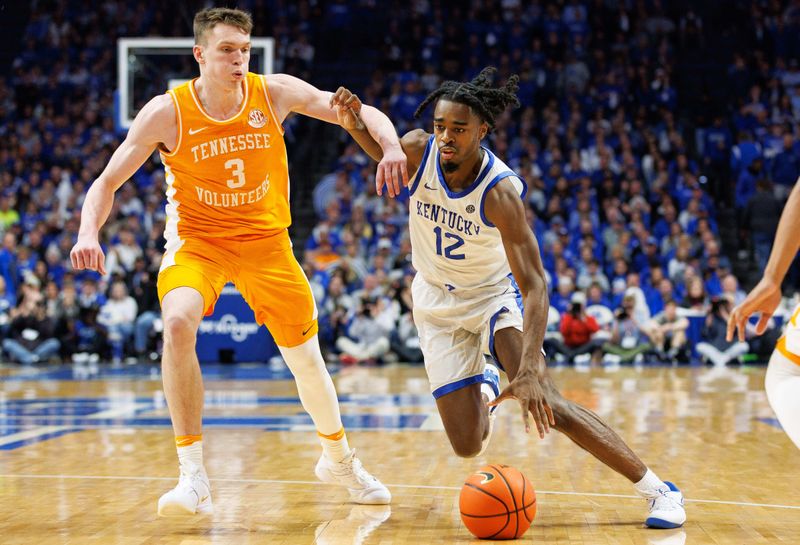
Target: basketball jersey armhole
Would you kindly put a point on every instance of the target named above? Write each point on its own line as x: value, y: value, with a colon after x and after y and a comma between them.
x: 523, y: 190
x: 179, y: 124
x: 268, y: 98
x: 422, y: 166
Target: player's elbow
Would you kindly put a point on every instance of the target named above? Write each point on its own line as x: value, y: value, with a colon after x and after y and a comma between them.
x: 534, y: 285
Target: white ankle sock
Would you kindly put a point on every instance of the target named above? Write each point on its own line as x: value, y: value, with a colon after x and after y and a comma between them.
x: 192, y: 453
x: 335, y: 449
x: 650, y: 485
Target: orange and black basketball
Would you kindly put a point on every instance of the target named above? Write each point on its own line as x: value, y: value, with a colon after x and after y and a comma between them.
x: 497, y: 502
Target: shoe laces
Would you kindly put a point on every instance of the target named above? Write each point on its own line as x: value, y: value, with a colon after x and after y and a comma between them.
x: 351, y: 468
x: 191, y: 474
x: 666, y: 501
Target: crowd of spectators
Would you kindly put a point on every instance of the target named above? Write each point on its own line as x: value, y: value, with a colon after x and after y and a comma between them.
x: 628, y: 163
x: 626, y: 175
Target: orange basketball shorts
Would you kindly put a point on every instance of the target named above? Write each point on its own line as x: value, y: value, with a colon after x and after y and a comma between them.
x: 789, y: 343
x: 264, y: 271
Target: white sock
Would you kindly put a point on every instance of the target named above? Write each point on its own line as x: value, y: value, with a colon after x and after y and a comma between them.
x: 192, y: 453
x: 335, y: 449
x: 650, y: 485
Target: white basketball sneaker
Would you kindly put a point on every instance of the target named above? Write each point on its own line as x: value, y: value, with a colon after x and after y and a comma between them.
x: 363, y: 487
x: 666, y: 509
x: 192, y: 496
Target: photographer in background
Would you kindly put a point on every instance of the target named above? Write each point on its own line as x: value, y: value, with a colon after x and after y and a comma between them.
x: 31, y: 337
x: 714, y: 347
x: 577, y: 329
x: 629, y: 341
x: 667, y: 330
x: 367, y: 338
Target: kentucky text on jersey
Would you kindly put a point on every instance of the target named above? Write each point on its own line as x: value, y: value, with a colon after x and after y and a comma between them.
x: 448, y: 218
x: 231, y: 199
x: 230, y: 144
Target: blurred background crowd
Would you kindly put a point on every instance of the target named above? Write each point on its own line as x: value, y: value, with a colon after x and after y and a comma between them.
x: 658, y: 140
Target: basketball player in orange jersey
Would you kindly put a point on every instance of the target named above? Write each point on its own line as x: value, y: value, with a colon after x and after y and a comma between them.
x: 221, y: 142
x: 480, y: 287
x: 783, y: 372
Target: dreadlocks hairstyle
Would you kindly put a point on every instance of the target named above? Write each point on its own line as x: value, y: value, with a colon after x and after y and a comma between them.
x: 486, y: 101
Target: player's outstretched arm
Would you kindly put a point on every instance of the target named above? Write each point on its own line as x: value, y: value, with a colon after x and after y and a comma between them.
x: 151, y: 126
x: 291, y: 94
x: 348, y: 109
x: 766, y: 296
x: 505, y: 210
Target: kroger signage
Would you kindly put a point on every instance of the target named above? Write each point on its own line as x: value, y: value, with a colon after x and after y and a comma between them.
x: 232, y: 334
x: 229, y: 325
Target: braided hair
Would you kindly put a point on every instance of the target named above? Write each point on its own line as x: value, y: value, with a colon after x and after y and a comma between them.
x: 487, y: 101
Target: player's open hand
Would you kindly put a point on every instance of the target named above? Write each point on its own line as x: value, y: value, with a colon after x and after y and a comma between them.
x: 87, y: 254
x: 347, y: 107
x: 392, y: 171
x: 527, y: 389
x: 764, y: 298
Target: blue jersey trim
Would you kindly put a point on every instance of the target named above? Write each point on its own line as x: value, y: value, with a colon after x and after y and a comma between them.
x: 492, y: 323
x: 517, y: 292
x: 471, y: 188
x: 457, y: 385
x: 494, y: 182
x: 421, y: 168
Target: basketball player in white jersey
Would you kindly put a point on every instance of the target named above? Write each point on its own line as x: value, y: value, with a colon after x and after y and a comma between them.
x: 783, y: 373
x: 478, y: 266
x: 220, y: 137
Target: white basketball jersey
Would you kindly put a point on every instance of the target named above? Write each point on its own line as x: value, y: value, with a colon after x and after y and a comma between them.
x: 453, y: 245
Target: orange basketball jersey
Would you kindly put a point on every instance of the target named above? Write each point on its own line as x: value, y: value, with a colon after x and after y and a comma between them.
x: 226, y: 179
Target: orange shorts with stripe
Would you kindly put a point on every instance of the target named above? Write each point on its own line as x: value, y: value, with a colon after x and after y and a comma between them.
x: 264, y: 271
x: 789, y: 344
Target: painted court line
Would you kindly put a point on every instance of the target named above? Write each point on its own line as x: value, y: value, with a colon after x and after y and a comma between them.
x: 429, y: 487
x: 31, y: 434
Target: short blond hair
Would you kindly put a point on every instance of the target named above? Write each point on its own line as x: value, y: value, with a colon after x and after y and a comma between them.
x: 208, y: 18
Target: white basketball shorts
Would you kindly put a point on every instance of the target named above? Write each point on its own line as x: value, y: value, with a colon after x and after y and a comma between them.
x: 456, y: 328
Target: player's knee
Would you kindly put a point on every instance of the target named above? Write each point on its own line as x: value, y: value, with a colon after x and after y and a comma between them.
x: 466, y: 449
x: 179, y: 330
x: 468, y: 443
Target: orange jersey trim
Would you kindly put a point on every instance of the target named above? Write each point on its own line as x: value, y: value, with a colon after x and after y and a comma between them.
x: 781, y: 347
x: 226, y: 179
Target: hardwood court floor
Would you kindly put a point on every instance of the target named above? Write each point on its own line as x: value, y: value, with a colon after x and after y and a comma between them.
x: 84, y: 461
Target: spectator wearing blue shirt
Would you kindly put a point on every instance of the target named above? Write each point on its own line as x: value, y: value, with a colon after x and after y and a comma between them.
x: 761, y: 215
x: 744, y: 153
x: 746, y: 183
x: 786, y: 167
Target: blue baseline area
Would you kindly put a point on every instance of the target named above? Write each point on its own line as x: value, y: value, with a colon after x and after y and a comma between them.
x: 75, y: 414
x: 33, y: 440
x: 211, y: 371
x: 267, y: 423
x: 104, y: 403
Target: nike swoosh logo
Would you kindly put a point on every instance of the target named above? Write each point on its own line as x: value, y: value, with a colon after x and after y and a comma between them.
x: 195, y: 131
x: 307, y: 330
x: 204, y: 498
x: 429, y: 187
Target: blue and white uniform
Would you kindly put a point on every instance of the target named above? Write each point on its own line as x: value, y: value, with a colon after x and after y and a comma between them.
x: 463, y: 290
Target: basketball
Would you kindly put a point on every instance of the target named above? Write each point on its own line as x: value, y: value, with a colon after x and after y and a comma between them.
x: 497, y: 502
